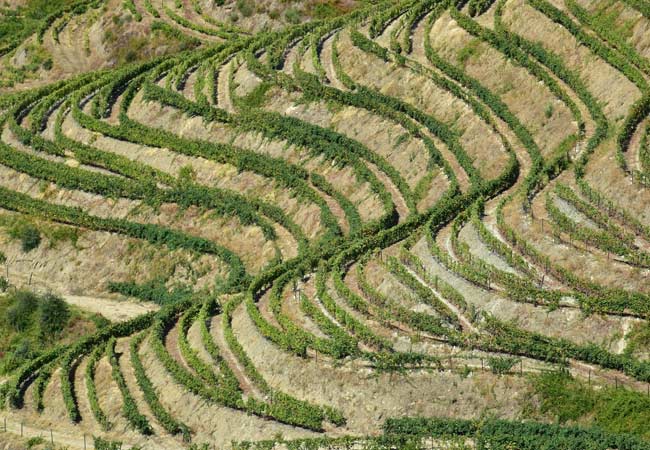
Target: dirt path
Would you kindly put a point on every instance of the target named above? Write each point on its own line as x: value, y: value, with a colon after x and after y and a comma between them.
x: 114, y: 310
x: 69, y: 440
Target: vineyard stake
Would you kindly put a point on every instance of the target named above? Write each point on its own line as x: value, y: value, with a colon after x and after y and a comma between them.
x: 21, y: 429
x: 84, y: 441
x: 51, y: 437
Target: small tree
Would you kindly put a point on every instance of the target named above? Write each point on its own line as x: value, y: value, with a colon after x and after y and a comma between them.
x: 54, y: 316
x: 19, y: 314
x: 27, y: 234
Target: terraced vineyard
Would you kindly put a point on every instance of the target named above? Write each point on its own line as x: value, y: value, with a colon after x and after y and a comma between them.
x: 403, y: 211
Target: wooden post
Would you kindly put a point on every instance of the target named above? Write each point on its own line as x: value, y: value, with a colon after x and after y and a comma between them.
x: 84, y: 441
x: 616, y: 382
x: 521, y: 367
x: 51, y: 437
x: 589, y: 377
x: 483, y: 368
x: 21, y: 429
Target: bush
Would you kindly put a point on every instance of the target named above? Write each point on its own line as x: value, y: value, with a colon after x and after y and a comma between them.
x: 35, y: 441
x: 19, y: 315
x: 103, y: 444
x: 27, y: 234
x: 245, y: 7
x: 54, y: 315
x: 292, y: 15
x: 501, y: 365
x: 100, y: 321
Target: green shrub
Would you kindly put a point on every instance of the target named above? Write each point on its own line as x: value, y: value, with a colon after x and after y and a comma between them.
x: 562, y: 396
x: 616, y: 410
x: 28, y: 235
x: 246, y: 7
x: 292, y: 15
x: 548, y: 112
x: 54, y: 315
x: 104, y: 444
x: 501, y: 365
x: 35, y: 441
x: 19, y: 315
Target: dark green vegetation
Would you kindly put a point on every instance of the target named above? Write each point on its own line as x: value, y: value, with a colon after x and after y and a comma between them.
x: 414, y: 433
x: 17, y: 24
x: 612, y: 409
x: 31, y: 324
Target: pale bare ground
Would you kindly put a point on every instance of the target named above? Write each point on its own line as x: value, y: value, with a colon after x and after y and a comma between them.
x: 69, y: 440
x: 328, y: 65
x: 114, y: 310
x: 223, y: 87
x: 467, y: 324
x: 589, y: 262
x: 366, y: 400
x: 608, y: 85
x: 217, y: 333
x: 413, y: 88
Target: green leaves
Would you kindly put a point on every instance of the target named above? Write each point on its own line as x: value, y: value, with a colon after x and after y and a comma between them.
x: 91, y: 389
x: 150, y: 395
x: 129, y: 406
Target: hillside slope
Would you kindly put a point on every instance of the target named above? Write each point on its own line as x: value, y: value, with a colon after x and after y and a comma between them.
x: 359, y: 213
